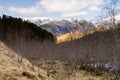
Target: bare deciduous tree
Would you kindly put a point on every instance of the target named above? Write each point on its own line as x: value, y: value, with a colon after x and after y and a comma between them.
x: 111, y: 11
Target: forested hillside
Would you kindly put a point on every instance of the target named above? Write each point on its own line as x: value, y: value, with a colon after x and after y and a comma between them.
x: 15, y: 28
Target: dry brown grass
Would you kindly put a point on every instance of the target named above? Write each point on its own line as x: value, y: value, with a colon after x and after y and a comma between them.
x: 10, y: 69
x: 10, y: 66
x: 77, y: 35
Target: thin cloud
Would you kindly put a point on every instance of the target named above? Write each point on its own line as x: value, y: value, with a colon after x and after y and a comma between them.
x: 94, y: 8
x: 83, y: 13
x: 25, y: 11
x: 65, y: 7
x: 68, y: 5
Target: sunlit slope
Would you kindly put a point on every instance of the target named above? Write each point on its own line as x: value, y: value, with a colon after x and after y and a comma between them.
x: 77, y: 35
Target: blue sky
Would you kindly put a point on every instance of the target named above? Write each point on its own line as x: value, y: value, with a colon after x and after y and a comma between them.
x: 56, y: 9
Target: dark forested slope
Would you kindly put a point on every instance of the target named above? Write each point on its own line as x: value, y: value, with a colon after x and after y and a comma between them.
x: 14, y: 28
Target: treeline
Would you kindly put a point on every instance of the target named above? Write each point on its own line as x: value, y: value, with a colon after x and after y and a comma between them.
x: 13, y: 28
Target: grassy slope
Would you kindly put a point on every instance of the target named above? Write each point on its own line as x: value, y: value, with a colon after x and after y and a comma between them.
x: 10, y: 69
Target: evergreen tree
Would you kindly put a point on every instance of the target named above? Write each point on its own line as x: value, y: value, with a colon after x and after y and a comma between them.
x: 17, y: 27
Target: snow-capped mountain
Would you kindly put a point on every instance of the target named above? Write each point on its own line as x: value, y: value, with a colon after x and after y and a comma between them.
x: 65, y: 26
x: 59, y: 27
x: 39, y: 21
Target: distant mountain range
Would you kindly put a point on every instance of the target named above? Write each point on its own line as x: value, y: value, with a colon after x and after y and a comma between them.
x: 58, y: 28
x: 40, y: 21
x: 67, y: 30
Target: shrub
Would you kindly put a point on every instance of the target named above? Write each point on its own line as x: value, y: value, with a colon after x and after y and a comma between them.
x: 28, y: 75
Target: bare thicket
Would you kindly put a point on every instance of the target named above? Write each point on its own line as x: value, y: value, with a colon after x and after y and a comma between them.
x: 110, y: 12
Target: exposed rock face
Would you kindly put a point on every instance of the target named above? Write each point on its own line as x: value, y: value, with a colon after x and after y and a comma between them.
x: 62, y: 27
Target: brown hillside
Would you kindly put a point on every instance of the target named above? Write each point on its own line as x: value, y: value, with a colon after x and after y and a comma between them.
x: 12, y: 69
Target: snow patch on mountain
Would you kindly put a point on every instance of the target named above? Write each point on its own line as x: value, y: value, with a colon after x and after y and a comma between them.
x: 64, y: 26
x: 39, y: 20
